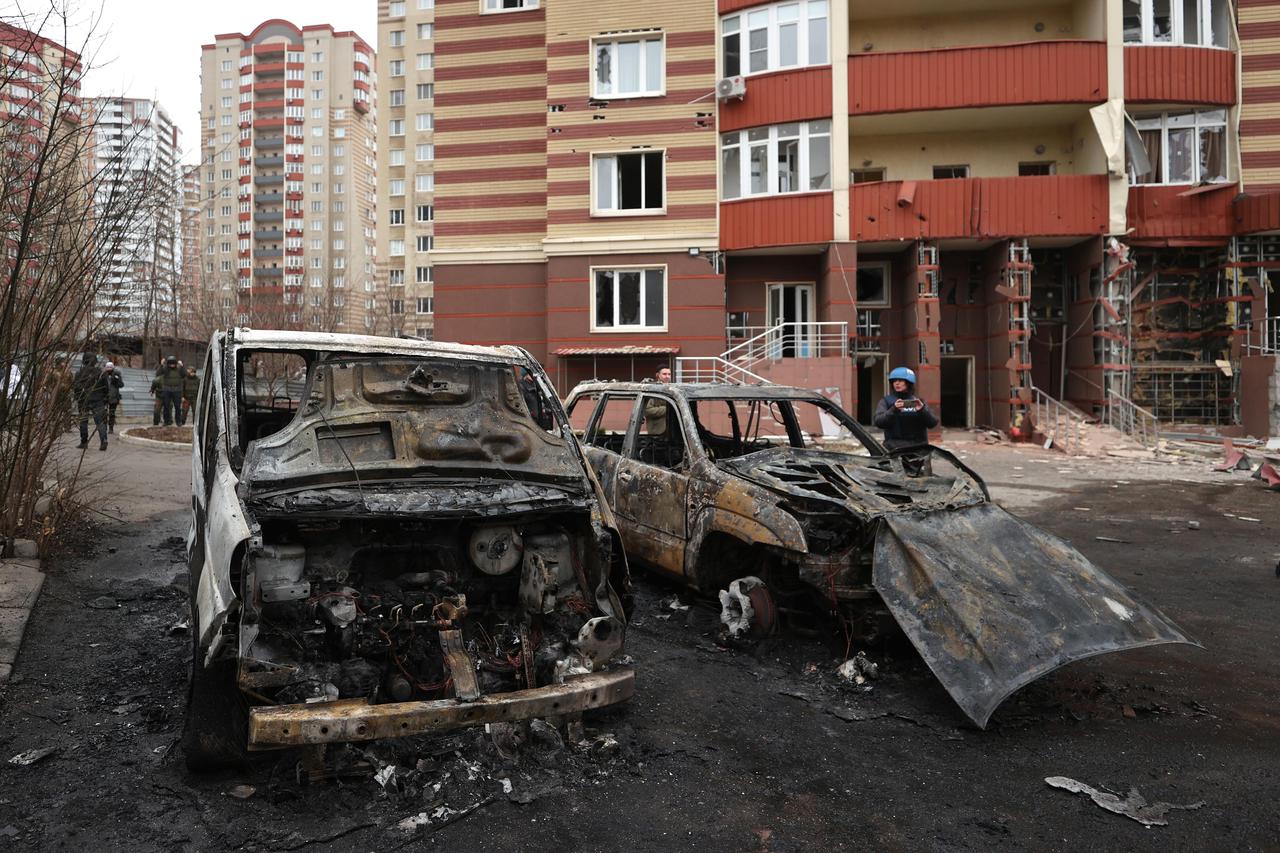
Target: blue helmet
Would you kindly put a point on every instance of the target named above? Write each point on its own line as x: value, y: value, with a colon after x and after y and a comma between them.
x: 903, y: 373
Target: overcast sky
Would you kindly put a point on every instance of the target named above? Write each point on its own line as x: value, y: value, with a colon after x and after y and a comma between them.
x: 151, y: 48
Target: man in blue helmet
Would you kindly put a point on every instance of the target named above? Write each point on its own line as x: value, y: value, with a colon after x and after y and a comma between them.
x: 904, y: 417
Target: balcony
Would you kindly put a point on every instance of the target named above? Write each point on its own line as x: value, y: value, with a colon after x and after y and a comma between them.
x: 268, y: 142
x: 268, y: 180
x: 269, y: 216
x: 1180, y: 212
x: 779, y: 97
x: 268, y: 160
x: 268, y: 198
x: 1158, y: 74
x: 785, y: 220
x: 1050, y: 72
x: 981, y: 208
x: 273, y: 234
x: 267, y: 272
x: 268, y: 253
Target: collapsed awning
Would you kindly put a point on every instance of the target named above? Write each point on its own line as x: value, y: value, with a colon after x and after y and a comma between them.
x: 625, y: 350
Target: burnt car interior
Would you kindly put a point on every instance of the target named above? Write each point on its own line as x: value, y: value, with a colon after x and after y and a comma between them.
x: 269, y: 386
x: 729, y: 428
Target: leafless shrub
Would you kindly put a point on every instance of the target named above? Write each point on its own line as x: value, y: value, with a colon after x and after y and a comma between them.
x: 61, y: 222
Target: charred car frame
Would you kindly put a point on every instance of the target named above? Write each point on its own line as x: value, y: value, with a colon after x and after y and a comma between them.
x: 730, y: 486
x: 385, y: 541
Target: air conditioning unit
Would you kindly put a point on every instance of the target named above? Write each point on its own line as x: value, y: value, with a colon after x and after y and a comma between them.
x: 731, y: 87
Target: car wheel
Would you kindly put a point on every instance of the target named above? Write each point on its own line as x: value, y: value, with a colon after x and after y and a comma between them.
x: 215, y: 731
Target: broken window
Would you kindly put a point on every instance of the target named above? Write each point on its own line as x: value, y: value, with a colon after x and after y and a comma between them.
x: 781, y: 159
x: 1045, y: 168
x: 580, y: 412
x: 943, y: 172
x: 608, y: 430
x: 628, y: 69
x: 629, y: 182
x: 1194, y: 22
x: 873, y: 284
x: 660, y: 438
x: 1183, y: 148
x: 509, y: 5
x: 634, y: 298
x: 865, y: 176
x: 270, y: 389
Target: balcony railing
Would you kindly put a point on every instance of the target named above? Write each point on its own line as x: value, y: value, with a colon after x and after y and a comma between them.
x: 1041, y: 205
x: 1262, y: 337
x: 789, y: 340
x: 1044, y: 72
x: 1131, y: 419
x: 713, y: 368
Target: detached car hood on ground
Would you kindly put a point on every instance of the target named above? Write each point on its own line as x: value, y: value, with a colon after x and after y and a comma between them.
x: 990, y: 602
x: 993, y: 603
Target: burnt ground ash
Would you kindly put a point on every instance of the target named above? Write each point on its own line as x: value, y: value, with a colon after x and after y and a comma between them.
x: 722, y: 749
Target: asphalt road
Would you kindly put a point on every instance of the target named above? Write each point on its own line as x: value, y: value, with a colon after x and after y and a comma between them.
x: 721, y: 749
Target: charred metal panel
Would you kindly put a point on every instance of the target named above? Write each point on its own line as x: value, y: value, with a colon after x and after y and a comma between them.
x: 993, y: 603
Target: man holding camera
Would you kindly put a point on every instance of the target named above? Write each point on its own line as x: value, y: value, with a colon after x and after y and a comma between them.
x: 904, y: 417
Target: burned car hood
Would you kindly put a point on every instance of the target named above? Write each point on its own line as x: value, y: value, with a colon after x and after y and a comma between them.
x: 993, y: 603
x: 868, y: 486
x: 398, y: 419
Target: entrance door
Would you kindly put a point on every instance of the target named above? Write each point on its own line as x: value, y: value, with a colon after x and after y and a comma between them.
x: 957, y: 391
x: 793, y: 304
x: 871, y: 386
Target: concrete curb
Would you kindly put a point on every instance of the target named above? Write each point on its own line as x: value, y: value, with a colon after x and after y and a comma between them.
x: 124, y: 436
x: 20, y: 582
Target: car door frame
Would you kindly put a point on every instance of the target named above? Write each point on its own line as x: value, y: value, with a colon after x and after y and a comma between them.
x: 658, y: 538
x: 219, y: 528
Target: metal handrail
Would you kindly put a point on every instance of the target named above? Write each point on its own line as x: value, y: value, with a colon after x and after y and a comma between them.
x: 713, y: 368
x: 1269, y: 336
x: 1057, y: 421
x: 806, y: 340
x: 1131, y: 419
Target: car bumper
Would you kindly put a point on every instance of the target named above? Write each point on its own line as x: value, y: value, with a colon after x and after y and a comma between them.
x: 357, y: 720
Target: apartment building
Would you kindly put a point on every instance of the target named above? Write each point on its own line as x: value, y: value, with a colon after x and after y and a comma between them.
x: 289, y: 162
x: 193, y: 306
x: 135, y: 154
x: 575, y: 195
x: 406, y: 150
x: 1027, y: 202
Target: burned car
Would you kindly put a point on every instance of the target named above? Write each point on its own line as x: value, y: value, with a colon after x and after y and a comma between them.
x: 386, y: 542
x: 779, y: 495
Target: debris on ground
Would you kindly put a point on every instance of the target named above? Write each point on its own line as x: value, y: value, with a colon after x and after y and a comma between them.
x: 31, y: 756
x: 1133, y: 806
x: 858, y: 669
x: 1112, y: 539
x: 180, y: 627
x: 104, y: 602
x: 242, y: 792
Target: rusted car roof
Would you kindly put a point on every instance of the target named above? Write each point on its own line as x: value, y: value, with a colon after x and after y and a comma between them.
x: 282, y: 339
x: 703, y: 390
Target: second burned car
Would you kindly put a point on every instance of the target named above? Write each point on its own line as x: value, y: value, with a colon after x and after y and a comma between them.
x: 779, y: 495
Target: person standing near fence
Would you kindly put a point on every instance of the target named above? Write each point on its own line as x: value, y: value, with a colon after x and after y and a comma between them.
x: 114, y: 383
x: 190, y: 390
x: 171, y: 390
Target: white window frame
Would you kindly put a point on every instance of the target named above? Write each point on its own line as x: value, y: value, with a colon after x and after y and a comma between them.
x: 744, y: 144
x: 1182, y: 119
x: 642, y: 269
x: 494, y: 7
x: 613, y: 42
x: 1177, y: 33
x: 636, y: 211
x: 739, y: 23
